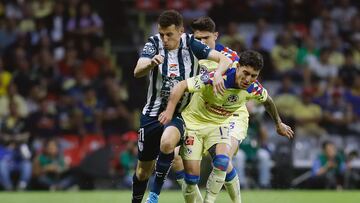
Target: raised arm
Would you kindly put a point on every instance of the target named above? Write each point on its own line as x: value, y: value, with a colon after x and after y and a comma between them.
x: 281, y: 128
x: 224, y: 64
x: 144, y: 65
x: 176, y: 93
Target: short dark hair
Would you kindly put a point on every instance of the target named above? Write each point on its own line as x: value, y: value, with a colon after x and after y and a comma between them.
x: 203, y: 24
x: 170, y: 17
x: 251, y: 58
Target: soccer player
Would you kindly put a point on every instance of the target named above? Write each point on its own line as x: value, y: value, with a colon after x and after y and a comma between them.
x: 208, y: 115
x: 168, y: 58
x: 204, y: 29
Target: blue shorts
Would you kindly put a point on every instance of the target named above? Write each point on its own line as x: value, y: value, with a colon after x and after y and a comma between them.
x: 149, y: 135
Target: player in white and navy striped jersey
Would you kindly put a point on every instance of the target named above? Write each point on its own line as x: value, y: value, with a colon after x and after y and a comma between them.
x: 168, y: 58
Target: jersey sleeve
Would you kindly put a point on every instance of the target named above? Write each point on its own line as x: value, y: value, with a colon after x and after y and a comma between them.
x: 200, y: 50
x: 149, y: 50
x: 257, y: 92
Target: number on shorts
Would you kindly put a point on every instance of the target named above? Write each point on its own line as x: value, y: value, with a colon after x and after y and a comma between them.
x: 141, y: 135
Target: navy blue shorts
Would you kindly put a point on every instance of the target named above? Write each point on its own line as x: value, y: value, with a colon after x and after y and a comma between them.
x: 149, y: 135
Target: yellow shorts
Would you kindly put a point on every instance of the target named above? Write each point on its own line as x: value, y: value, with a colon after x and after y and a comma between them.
x: 199, y: 140
x: 238, y: 126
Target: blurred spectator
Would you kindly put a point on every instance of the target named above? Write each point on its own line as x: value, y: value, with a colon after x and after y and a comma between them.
x: 45, y: 122
x: 5, y: 78
x: 49, y: 167
x: 193, y: 11
x: 308, y: 48
x: 329, y: 168
x: 336, y: 57
x: 308, y: 116
x: 342, y: 15
x: 253, y: 150
x: 128, y: 161
x: 86, y: 22
x: 97, y: 65
x: 320, y: 67
x: 56, y: 22
x: 323, y: 26
x: 14, y: 152
x: 66, y: 66
x: 352, y: 96
x: 349, y: 70
x: 8, y: 33
x: 265, y: 35
x: 284, y: 54
x: 65, y: 112
x: 89, y: 113
x: 232, y: 35
x: 27, y: 22
x: 337, y: 113
x: 42, y: 8
x: 268, y: 72
x: 13, y: 96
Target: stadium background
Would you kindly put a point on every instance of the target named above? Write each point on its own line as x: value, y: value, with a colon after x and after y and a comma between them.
x: 66, y: 74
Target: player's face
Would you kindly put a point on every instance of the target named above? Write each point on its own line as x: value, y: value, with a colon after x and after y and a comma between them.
x: 171, y: 36
x: 206, y: 37
x: 245, y: 75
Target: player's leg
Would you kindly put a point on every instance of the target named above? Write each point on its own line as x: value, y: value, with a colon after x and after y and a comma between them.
x: 218, y: 143
x: 148, y: 149
x: 191, y: 153
x: 178, y: 168
x: 192, y: 177
x: 217, y: 176
x: 232, y: 183
x: 169, y: 140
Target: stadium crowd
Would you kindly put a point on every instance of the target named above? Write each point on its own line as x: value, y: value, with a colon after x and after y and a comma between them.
x: 64, y: 105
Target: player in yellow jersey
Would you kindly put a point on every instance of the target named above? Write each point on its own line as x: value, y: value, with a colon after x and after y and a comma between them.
x: 208, y: 115
x: 204, y: 29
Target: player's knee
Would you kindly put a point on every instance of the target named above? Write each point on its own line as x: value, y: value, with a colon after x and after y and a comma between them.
x: 167, y: 145
x: 221, y: 162
x: 191, y: 179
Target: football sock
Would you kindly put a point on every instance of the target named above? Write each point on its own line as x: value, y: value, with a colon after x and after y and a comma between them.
x: 180, y: 180
x: 138, y: 189
x: 190, y: 192
x: 217, y: 178
x: 232, y: 186
x: 163, y: 165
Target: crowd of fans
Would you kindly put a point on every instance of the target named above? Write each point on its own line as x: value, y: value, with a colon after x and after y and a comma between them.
x: 58, y: 87
x: 61, y: 96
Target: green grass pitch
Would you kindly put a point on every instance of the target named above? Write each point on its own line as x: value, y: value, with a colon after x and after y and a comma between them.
x: 272, y: 196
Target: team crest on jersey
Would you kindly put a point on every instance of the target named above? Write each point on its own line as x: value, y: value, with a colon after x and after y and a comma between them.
x: 149, y: 49
x: 233, y: 98
x: 203, y: 69
x: 205, y: 77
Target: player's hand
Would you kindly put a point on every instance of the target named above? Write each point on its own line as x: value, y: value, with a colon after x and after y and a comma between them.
x: 219, y: 85
x: 165, y: 117
x: 156, y: 60
x: 285, y: 130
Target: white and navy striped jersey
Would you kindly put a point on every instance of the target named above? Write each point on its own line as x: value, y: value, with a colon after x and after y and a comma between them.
x: 179, y: 64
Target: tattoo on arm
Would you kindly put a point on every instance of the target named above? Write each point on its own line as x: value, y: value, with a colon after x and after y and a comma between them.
x: 272, y: 110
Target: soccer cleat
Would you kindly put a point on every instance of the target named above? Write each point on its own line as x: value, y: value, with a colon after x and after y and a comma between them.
x: 153, y: 198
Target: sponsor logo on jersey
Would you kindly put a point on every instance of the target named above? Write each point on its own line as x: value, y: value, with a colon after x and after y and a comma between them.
x: 173, y: 67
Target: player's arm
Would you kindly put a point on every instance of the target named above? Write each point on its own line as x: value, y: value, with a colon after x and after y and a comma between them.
x: 224, y: 64
x: 149, y: 59
x: 281, y: 128
x: 144, y: 65
x: 176, y: 93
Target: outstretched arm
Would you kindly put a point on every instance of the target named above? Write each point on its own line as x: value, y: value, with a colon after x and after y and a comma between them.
x: 224, y: 64
x: 281, y: 128
x: 176, y: 93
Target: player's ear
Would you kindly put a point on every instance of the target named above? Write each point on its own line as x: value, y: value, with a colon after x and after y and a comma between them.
x: 216, y: 35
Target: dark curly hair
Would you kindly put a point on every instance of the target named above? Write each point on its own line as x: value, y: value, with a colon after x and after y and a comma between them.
x: 203, y: 24
x: 251, y: 58
x: 170, y: 17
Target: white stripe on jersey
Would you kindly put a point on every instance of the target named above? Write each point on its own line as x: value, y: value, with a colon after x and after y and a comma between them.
x: 173, y: 69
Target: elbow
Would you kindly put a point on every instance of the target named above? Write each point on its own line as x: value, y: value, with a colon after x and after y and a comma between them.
x: 137, y: 74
